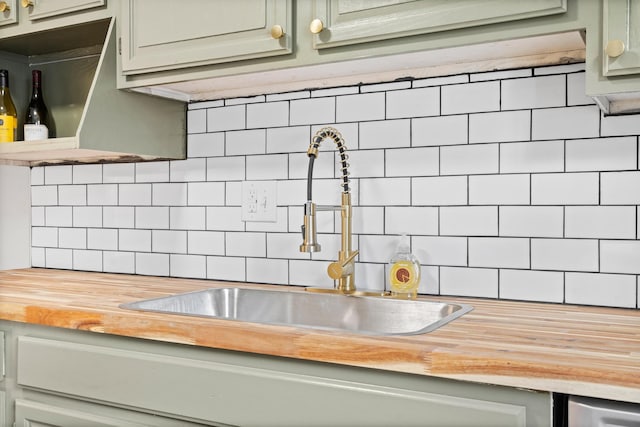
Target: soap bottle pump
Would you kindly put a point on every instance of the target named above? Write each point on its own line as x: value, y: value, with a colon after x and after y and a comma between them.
x: 404, y: 271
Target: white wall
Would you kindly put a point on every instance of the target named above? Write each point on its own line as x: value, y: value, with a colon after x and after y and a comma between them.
x: 511, y: 184
x: 15, y: 217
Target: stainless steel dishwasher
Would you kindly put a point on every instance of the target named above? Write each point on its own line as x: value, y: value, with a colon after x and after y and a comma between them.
x: 588, y: 412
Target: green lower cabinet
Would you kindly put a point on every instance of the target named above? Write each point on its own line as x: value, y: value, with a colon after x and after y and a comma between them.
x: 213, y: 387
x: 37, y: 414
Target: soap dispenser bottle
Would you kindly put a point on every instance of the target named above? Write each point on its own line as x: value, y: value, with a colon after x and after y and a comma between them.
x: 404, y: 271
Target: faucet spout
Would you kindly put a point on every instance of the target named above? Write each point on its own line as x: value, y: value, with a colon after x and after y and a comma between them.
x: 343, y: 270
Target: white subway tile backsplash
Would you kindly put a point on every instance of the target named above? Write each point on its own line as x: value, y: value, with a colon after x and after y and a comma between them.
x: 58, y: 175
x: 413, y: 103
x: 566, y: 123
x: 564, y: 254
x: 225, y: 168
x: 620, y: 125
x: 424, y: 161
x: 601, y: 289
x: 156, y: 217
x: 504, y: 191
x: 271, y: 114
x: 244, y: 142
x: 312, y: 111
x: 74, y: 238
x: 272, y: 166
x: 44, y: 236
x: 262, y: 270
x: 385, y: 134
x: 512, y: 189
x: 469, y: 220
x: 102, y: 238
x: 288, y: 139
x: 118, y: 172
x: 440, y: 190
x: 565, y: 189
x: 601, y: 154
x: 575, y: 91
x: 437, y: 250
x: 385, y: 191
x: 536, y: 92
x: 152, y: 264
x: 87, y: 216
x: 532, y: 221
x: 187, y: 218
x: 226, y: 268
x: 409, y: 220
x: 196, y: 121
x: 119, y: 262
x: 205, y: 242
x: 361, y: 107
x: 537, y: 156
x: 499, y: 252
x: 191, y: 266
x: 174, y: 194
x: 187, y: 170
x: 87, y: 260
x: 469, y: 159
x: 500, y: 127
x: 470, y: 98
x: 226, y: 118
x: 58, y: 216
x: 87, y: 174
x: 600, y: 222
x: 473, y: 282
x: 205, y: 145
x: 620, y: 188
x: 445, y: 130
x: 134, y: 194
x: 152, y: 172
x: 169, y: 241
x: 246, y: 244
x: 531, y: 285
x: 102, y: 194
x: 620, y: 256
x: 118, y: 216
x: 134, y: 240
x: 44, y: 195
x: 59, y: 258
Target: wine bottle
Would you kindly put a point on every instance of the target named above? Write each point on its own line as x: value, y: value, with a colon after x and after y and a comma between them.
x: 8, y: 115
x: 37, y: 122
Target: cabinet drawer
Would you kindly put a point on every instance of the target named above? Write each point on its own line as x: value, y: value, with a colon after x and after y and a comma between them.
x: 221, y: 391
x: 49, y: 8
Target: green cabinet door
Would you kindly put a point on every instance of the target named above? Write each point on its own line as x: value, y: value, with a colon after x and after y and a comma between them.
x: 8, y: 12
x: 42, y: 9
x: 346, y: 22
x: 621, y: 37
x: 160, y: 35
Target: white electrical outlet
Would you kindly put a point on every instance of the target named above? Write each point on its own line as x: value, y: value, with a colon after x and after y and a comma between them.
x: 259, y: 201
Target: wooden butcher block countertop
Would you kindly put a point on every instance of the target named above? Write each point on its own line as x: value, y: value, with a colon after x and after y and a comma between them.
x: 569, y: 349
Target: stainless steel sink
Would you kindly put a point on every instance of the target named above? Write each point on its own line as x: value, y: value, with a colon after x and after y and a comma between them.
x: 359, y: 314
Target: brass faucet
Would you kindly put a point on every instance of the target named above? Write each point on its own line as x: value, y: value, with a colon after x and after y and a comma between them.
x: 343, y: 270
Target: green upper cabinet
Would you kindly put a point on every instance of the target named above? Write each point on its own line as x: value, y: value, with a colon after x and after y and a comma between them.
x: 160, y: 35
x: 621, y: 37
x: 344, y: 22
x: 42, y: 9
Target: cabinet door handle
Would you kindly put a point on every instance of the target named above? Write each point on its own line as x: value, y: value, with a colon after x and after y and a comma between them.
x: 614, y: 48
x: 4, y: 7
x: 27, y: 3
x: 316, y: 26
x: 277, y: 31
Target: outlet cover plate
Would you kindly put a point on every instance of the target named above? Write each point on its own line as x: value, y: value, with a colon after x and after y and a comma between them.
x: 259, y: 201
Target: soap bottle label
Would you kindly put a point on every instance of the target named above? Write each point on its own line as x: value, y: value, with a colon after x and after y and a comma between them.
x: 403, y: 277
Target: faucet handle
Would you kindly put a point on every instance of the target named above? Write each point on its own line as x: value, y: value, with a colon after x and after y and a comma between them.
x: 339, y: 269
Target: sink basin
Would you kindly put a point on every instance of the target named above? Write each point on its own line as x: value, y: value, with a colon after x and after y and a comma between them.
x: 358, y: 314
